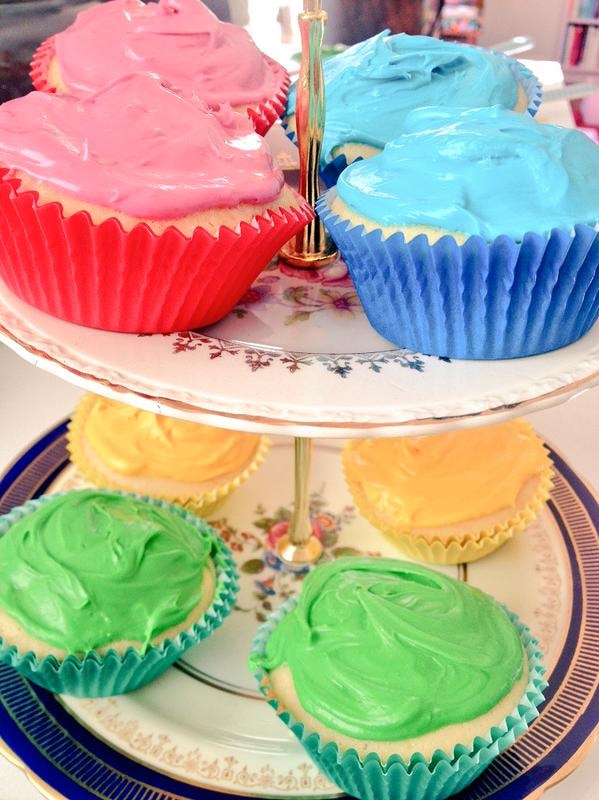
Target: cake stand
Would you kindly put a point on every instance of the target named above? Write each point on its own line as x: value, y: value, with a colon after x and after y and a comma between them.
x: 297, y: 356
x: 201, y: 729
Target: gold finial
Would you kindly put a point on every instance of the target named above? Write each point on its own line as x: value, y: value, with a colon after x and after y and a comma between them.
x: 312, y: 247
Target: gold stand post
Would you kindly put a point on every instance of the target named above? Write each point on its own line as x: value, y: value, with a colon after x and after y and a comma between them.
x: 312, y: 247
x: 299, y: 545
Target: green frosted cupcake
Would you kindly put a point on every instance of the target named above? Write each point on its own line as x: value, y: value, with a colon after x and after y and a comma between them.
x: 101, y: 591
x: 396, y: 678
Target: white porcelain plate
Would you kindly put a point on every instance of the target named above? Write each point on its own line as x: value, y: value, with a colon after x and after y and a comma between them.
x: 297, y: 355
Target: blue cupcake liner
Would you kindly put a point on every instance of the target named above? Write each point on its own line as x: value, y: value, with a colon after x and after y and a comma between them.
x: 529, y: 82
x: 330, y: 173
x: 435, y: 779
x: 478, y: 300
x: 114, y: 673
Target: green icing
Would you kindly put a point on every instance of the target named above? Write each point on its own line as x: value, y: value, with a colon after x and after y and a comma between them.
x: 385, y: 650
x: 89, y: 568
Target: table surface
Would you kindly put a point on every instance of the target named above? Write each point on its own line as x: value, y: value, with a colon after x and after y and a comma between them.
x: 31, y: 401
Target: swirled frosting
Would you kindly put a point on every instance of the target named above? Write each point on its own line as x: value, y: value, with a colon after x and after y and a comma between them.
x: 385, y: 650
x: 447, y: 478
x: 134, y: 442
x: 90, y: 568
x: 140, y: 148
x: 181, y: 41
x: 373, y: 85
x: 484, y: 171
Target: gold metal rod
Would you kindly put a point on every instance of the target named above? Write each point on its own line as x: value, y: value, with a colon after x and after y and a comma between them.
x: 299, y: 545
x: 312, y: 247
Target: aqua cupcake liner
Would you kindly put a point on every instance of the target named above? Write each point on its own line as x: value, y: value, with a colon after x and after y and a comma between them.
x: 330, y: 173
x: 478, y: 300
x: 435, y: 779
x: 114, y: 673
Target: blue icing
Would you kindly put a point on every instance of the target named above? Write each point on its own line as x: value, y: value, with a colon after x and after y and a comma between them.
x: 483, y: 171
x: 371, y: 86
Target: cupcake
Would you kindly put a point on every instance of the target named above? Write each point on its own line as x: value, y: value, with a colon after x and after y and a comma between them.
x: 181, y: 41
x: 452, y: 497
x: 137, y: 209
x: 398, y: 681
x: 196, y: 466
x: 101, y: 591
x: 372, y: 86
x: 474, y: 234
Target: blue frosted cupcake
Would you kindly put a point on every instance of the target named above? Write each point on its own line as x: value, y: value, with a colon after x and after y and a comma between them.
x: 474, y: 234
x: 372, y: 86
x: 101, y: 591
x: 399, y: 681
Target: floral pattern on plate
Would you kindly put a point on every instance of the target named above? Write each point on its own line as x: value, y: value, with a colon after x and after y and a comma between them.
x: 267, y: 580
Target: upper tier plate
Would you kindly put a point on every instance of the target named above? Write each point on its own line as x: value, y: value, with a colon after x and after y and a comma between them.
x: 297, y: 356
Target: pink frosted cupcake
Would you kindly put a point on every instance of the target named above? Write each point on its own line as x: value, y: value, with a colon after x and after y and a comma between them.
x: 181, y: 41
x: 137, y: 208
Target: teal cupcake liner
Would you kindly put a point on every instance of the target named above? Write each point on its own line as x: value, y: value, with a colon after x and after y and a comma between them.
x: 419, y: 779
x: 114, y: 673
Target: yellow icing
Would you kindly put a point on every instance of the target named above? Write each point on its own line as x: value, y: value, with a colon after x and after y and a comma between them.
x: 135, y: 442
x: 447, y: 478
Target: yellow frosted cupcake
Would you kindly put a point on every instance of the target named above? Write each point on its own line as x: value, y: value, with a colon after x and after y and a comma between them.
x: 120, y: 447
x: 451, y: 497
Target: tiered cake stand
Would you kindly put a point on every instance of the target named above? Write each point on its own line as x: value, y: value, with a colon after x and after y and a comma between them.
x: 202, y: 726
x: 297, y: 357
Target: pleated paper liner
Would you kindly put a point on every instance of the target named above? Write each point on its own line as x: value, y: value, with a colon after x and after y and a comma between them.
x: 329, y: 174
x: 478, y: 300
x: 452, y: 548
x: 529, y: 82
x: 435, y: 779
x: 112, y: 673
x: 202, y: 504
x: 262, y: 114
x: 40, y: 64
x: 265, y: 114
x: 102, y: 276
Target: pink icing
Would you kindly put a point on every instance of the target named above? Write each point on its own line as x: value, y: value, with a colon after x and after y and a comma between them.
x: 182, y: 41
x: 140, y: 148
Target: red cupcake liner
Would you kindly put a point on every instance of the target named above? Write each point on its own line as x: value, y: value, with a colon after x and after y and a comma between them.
x: 40, y: 64
x: 136, y: 281
x: 263, y: 115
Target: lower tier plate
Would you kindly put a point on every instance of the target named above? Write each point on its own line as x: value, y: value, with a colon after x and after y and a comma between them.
x: 201, y: 731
